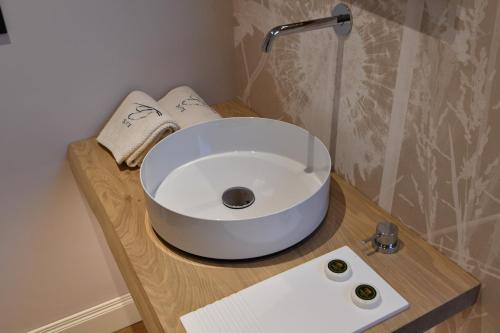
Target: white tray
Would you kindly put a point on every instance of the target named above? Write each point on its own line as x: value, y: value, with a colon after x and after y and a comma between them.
x: 300, y: 300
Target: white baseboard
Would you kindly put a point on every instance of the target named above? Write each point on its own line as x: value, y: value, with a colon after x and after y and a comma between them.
x: 103, y: 318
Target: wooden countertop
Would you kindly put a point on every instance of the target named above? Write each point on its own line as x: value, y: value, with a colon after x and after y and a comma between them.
x: 167, y: 283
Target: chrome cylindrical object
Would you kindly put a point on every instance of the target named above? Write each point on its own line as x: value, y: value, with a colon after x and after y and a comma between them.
x: 386, y: 238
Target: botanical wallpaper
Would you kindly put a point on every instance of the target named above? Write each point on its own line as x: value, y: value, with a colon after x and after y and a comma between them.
x: 409, y: 104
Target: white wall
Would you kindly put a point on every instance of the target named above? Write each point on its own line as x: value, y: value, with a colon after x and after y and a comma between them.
x: 69, y: 64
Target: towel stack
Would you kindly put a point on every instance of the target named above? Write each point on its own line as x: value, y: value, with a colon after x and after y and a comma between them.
x: 186, y: 107
x: 140, y: 122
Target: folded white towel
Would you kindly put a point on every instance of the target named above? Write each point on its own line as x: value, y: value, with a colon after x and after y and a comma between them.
x: 137, y: 124
x: 186, y: 107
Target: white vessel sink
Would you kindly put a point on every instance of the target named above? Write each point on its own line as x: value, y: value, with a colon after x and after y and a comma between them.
x: 237, y: 188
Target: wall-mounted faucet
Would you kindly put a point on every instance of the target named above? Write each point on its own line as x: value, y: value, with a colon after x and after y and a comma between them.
x: 341, y: 21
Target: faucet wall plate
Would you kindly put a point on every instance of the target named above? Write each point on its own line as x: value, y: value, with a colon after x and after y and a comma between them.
x: 343, y: 28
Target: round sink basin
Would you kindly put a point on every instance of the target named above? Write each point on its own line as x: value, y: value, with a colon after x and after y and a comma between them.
x: 237, y: 188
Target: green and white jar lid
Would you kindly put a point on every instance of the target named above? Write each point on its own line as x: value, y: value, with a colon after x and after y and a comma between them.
x: 366, y: 296
x: 338, y: 270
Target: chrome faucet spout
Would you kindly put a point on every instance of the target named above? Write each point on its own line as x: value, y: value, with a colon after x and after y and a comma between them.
x: 341, y: 21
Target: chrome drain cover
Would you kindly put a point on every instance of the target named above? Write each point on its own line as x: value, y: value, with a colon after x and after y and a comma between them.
x: 238, y: 197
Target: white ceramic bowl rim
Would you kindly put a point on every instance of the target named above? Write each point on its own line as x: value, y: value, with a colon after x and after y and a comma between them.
x: 185, y: 131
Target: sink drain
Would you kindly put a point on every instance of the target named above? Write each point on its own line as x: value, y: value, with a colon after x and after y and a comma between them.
x: 238, y: 197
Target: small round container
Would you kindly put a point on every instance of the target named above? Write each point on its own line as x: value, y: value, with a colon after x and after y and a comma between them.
x: 338, y: 270
x: 366, y: 296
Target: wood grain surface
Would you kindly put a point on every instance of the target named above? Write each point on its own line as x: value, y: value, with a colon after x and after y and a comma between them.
x: 167, y: 283
x: 135, y: 328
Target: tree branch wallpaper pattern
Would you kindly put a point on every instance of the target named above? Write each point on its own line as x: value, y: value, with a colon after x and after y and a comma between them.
x: 418, y: 122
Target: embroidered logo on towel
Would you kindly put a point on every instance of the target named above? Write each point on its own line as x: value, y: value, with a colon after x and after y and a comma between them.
x: 190, y: 101
x: 141, y: 111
